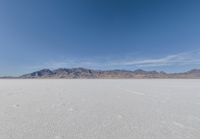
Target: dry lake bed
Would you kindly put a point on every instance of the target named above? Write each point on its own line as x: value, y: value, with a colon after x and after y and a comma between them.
x: 100, y: 109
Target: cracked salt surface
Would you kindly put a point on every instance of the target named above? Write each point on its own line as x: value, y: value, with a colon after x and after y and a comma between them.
x: 98, y: 109
x: 58, y: 137
x: 178, y: 124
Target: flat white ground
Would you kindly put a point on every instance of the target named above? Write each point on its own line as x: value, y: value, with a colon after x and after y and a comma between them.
x: 99, y: 109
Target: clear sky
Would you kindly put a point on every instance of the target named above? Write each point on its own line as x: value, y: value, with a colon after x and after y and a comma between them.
x: 99, y: 34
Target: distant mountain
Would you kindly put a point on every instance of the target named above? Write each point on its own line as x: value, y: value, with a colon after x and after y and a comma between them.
x: 194, y: 74
x: 45, y: 73
x: 82, y: 73
x: 63, y: 73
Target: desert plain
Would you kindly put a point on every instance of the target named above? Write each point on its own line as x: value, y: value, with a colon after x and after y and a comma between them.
x: 99, y: 109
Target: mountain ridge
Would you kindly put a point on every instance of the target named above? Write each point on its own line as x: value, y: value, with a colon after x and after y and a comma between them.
x: 84, y: 73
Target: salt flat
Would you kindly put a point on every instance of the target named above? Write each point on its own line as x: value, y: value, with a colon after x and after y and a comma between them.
x: 100, y: 109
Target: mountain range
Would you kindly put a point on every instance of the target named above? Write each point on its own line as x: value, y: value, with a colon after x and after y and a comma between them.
x: 83, y: 73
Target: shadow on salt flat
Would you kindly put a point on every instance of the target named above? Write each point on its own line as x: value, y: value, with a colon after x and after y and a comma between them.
x: 16, y: 106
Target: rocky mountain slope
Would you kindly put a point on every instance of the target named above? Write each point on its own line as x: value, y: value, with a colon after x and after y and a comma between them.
x: 82, y: 73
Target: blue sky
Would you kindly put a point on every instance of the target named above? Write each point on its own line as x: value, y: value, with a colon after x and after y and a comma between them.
x: 99, y: 34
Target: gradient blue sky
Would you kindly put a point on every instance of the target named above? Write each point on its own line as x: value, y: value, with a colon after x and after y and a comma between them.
x: 100, y: 34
